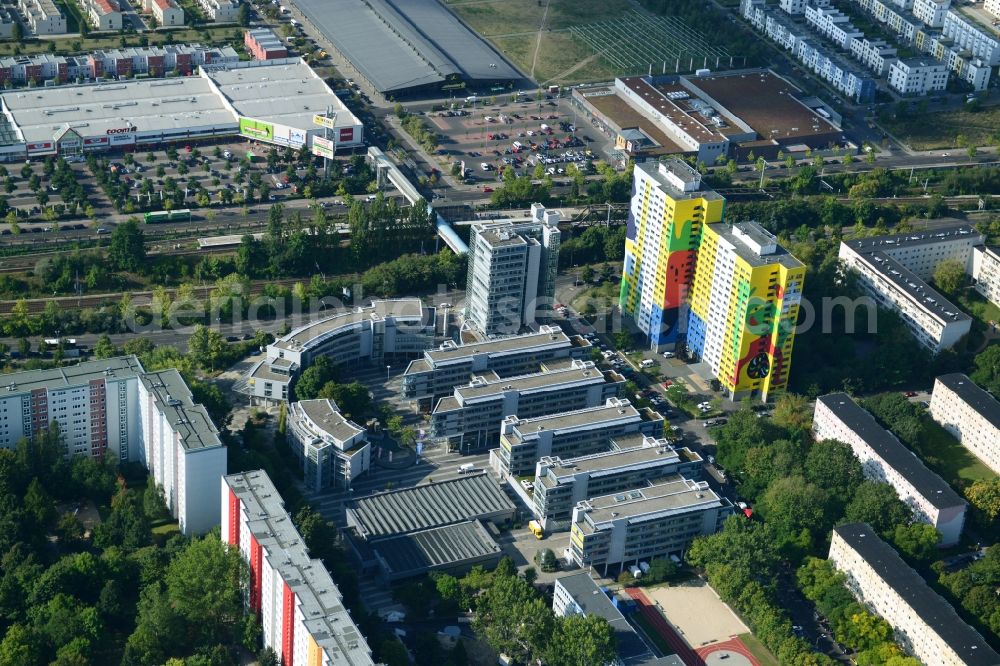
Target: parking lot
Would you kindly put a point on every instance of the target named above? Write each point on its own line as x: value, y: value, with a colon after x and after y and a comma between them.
x: 522, y: 135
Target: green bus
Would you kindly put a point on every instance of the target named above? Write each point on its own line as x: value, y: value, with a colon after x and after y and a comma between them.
x: 183, y: 215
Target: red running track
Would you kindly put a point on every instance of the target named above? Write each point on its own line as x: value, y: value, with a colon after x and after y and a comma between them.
x: 732, y: 645
x: 655, y: 618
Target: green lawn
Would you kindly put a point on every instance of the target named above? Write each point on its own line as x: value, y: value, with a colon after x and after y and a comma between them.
x: 758, y: 650
x: 937, y: 129
x: 946, y: 455
x: 972, y: 301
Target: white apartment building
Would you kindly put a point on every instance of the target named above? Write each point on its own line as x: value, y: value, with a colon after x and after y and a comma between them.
x: 925, y: 625
x: 931, y: 12
x: 968, y: 34
x: 440, y: 370
x: 302, y: 613
x: 332, y: 449
x: 180, y: 447
x: 43, y: 17
x: 993, y: 7
x: 986, y: 273
x: 166, y: 12
x: 470, y: 418
x: 915, y: 76
x: 793, y: 6
x: 524, y: 441
x: 626, y: 528
x: 103, y: 14
x: 7, y: 21
x: 885, y: 459
x: 969, y: 413
x: 874, y: 54
x: 113, y: 407
x: 893, y: 269
x: 832, y: 24
x: 221, y: 11
x: 512, y: 272
x: 633, y: 461
x: 376, y: 334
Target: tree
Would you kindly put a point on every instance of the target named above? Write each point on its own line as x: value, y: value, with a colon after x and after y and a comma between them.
x: 126, y: 526
x: 917, y: 541
x: 21, y: 646
x: 154, y: 505
x: 513, y: 619
x: 104, y: 348
x: 984, y: 494
x: 793, y: 506
x: 314, y: 378
x: 949, y: 276
x: 127, y: 251
x: 832, y: 466
x: 623, y: 340
x: 579, y: 639
x: 987, y: 373
x: 206, y: 346
x: 878, y: 505
x: 792, y: 411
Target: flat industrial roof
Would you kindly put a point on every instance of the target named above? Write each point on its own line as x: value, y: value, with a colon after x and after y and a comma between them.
x: 659, y: 100
x: 978, y: 399
x: 429, y: 505
x: 929, y: 606
x: 617, y: 109
x: 436, y: 548
x: 766, y: 102
x: 287, y: 93
x: 403, y: 44
x: 150, y: 105
x: 930, y: 486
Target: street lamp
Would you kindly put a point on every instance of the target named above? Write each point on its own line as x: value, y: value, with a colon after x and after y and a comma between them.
x: 387, y: 368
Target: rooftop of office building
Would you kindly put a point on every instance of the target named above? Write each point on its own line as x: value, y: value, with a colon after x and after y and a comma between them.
x: 891, y: 450
x: 546, y: 337
x: 928, y: 605
x: 615, y: 410
x: 978, y: 399
x: 404, y: 308
x: 652, y: 450
x: 325, y: 414
x: 585, y: 372
x: 675, y: 496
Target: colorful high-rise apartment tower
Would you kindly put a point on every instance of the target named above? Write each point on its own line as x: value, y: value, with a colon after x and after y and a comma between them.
x: 665, y: 222
x: 744, y: 303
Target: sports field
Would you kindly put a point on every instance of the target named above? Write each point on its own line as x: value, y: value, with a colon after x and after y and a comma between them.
x: 559, y: 42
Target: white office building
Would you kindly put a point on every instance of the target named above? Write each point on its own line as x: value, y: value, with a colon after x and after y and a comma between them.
x: 623, y: 529
x: 917, y: 76
x: 632, y: 461
x: 302, y: 613
x: 512, y: 272
x: 332, y: 449
x: 885, y: 459
x: 470, y: 418
x: 925, y: 625
x: 113, y: 407
x: 969, y: 413
x: 440, y: 370
x: 524, y: 441
x: 384, y: 332
x: 894, y: 269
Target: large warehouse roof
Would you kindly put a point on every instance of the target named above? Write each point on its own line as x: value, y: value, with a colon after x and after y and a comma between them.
x: 403, y: 44
x: 289, y: 93
x: 437, y: 548
x: 150, y: 105
x: 430, y: 505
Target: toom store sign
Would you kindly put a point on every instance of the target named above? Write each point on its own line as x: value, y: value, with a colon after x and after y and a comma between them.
x: 256, y: 129
x: 120, y: 130
x: 346, y: 134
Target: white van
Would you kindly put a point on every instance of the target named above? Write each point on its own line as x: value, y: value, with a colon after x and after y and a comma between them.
x: 647, y: 363
x: 467, y: 468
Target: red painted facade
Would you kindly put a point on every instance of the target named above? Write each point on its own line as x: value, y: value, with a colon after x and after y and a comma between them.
x: 287, y: 625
